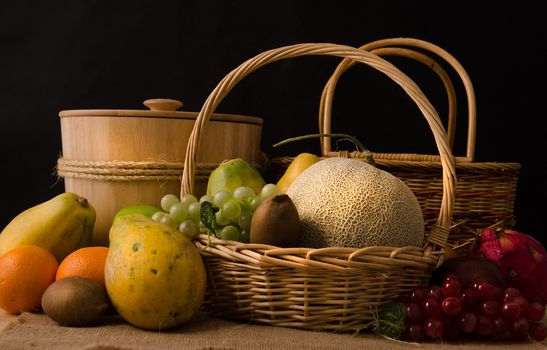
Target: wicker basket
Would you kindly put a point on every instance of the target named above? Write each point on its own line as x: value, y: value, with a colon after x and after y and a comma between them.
x: 485, y: 191
x: 337, y: 289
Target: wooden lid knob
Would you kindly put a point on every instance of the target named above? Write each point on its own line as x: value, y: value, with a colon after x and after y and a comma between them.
x: 162, y: 104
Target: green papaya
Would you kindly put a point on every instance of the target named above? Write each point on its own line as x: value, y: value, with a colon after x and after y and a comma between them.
x: 144, y: 209
x: 233, y: 174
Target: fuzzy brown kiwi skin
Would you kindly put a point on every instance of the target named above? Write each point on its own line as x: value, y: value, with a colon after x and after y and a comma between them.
x: 75, y: 302
x: 276, y: 222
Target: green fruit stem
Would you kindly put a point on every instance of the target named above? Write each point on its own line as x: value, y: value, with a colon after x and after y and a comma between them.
x: 368, y: 154
x: 83, y: 202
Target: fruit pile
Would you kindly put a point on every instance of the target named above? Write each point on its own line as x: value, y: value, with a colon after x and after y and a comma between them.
x: 449, y: 311
x: 72, y: 293
x: 227, y: 215
x: 498, y: 290
x: 234, y: 190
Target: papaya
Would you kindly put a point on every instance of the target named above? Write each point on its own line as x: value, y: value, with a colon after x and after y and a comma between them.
x: 300, y: 163
x: 60, y: 225
x: 154, y: 275
x: 233, y: 174
x: 144, y: 209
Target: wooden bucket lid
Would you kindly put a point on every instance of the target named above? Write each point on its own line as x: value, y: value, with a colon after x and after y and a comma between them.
x: 158, y: 108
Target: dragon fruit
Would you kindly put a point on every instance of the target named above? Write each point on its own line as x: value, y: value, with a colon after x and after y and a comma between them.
x: 521, y: 259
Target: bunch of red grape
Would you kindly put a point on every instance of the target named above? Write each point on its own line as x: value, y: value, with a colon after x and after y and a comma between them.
x: 451, y: 312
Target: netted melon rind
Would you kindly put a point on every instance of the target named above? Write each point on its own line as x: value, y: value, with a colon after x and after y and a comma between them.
x: 349, y: 203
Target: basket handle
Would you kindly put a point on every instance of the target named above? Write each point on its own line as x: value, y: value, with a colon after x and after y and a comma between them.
x: 439, y: 232
x: 389, y: 47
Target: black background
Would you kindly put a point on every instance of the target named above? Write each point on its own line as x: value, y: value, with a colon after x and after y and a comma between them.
x: 61, y: 55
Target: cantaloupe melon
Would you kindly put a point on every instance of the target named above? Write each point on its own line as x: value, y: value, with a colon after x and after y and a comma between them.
x: 349, y: 203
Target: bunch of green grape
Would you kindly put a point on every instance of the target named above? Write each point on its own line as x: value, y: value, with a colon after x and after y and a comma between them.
x: 233, y: 212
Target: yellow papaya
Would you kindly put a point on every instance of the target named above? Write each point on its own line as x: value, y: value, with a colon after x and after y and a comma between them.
x: 300, y: 163
x: 60, y: 225
x: 154, y: 275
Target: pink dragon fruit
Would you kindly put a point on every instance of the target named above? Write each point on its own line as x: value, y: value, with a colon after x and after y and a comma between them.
x: 521, y: 259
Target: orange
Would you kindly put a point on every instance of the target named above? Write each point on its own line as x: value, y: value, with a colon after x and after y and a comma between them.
x: 85, y: 262
x: 25, y: 273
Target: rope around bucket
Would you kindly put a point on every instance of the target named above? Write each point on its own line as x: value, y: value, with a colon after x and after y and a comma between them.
x: 128, y: 171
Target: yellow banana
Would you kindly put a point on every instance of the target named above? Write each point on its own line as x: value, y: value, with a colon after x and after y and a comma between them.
x: 61, y: 225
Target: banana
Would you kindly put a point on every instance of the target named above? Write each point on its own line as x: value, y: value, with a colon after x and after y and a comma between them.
x: 61, y: 225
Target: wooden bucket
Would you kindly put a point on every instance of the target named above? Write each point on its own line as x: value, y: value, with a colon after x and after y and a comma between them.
x: 119, y: 158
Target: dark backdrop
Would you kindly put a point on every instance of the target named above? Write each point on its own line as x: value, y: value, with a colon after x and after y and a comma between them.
x: 60, y: 55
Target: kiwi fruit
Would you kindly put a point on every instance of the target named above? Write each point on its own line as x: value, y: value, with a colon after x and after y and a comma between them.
x: 276, y: 222
x: 75, y: 301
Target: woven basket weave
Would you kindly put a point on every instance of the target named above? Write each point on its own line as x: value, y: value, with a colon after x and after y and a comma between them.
x: 334, y: 288
x: 485, y: 191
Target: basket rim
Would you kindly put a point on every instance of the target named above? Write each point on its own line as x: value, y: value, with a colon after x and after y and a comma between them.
x: 332, y: 258
x: 432, y: 163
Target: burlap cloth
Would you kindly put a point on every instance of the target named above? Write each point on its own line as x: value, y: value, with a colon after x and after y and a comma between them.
x: 36, y: 331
